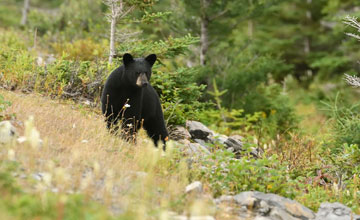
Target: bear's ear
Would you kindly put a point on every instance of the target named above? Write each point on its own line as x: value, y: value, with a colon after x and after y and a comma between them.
x: 127, y: 58
x: 151, y: 59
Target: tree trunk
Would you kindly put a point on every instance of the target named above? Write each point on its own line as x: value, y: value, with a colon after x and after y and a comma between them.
x: 112, y: 39
x: 307, y: 41
x: 250, y: 25
x: 250, y: 29
x: 25, y: 12
x: 204, y: 35
x: 116, y: 12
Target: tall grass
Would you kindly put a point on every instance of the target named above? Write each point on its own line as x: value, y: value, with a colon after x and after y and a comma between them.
x: 77, y: 155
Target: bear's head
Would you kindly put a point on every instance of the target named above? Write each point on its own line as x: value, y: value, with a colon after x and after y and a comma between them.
x: 138, y: 70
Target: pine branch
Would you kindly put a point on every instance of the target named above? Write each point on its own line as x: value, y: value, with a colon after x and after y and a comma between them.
x: 352, y: 80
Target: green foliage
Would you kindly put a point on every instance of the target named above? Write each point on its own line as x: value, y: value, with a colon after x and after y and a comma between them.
x: 228, y: 175
x: 63, y: 77
x: 168, y: 48
x: 227, y: 121
x: 83, y: 49
x: 179, y: 94
x: 43, y: 23
x: 277, y: 111
x: 318, y: 194
x: 10, y: 13
x: 346, y: 122
x: 3, y: 105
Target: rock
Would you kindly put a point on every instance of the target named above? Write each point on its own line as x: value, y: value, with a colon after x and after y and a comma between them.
x: 7, y: 132
x: 179, y: 133
x: 184, y: 141
x: 183, y: 217
x: 234, y: 143
x: 335, y: 211
x: 197, y: 149
x: 237, y: 137
x: 198, y: 131
x: 21, y: 139
x: 220, y: 138
x: 202, y: 143
x: 179, y: 217
x: 201, y: 218
x: 262, y: 206
x: 195, y: 187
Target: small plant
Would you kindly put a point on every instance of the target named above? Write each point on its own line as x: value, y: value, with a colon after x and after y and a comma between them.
x: 3, y: 105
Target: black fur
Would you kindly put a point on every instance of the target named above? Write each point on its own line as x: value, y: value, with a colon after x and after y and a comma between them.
x: 129, y: 84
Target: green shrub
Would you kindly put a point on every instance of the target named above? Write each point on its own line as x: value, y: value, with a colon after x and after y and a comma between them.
x: 227, y: 175
x: 227, y: 121
x: 3, y: 105
x: 179, y: 94
x: 278, y: 112
x: 346, y: 122
x: 41, y: 22
x: 83, y: 49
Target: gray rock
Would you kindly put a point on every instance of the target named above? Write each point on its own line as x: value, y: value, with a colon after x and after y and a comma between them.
x: 207, y: 217
x: 202, y: 143
x: 262, y: 206
x: 195, y: 187
x: 220, y: 138
x: 234, y: 143
x: 179, y: 217
x: 183, y: 217
x: 197, y: 149
x: 179, y: 133
x: 7, y: 132
x: 38, y: 176
x: 198, y: 130
x: 237, y: 137
x: 335, y: 211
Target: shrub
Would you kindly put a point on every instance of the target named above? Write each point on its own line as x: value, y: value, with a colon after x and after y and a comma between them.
x: 346, y: 122
x: 179, y: 94
x: 3, y: 105
x: 278, y: 112
x: 83, y: 49
x: 227, y: 175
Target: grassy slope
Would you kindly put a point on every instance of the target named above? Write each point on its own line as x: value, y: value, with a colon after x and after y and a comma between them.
x: 78, y: 155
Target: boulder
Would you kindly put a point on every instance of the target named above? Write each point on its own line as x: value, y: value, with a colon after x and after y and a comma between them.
x: 179, y: 133
x: 220, y: 138
x: 197, y: 149
x: 202, y: 143
x: 195, y: 187
x: 335, y: 211
x: 198, y: 130
x: 258, y: 205
x: 234, y: 143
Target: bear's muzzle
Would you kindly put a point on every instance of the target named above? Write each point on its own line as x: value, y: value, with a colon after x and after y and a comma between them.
x: 142, y: 80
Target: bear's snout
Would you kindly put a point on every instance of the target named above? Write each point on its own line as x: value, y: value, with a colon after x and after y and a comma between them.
x: 142, y: 80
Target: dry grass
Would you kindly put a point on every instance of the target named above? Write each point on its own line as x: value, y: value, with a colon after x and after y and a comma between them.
x: 78, y: 155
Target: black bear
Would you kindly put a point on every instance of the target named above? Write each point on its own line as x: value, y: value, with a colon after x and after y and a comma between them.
x: 128, y: 97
